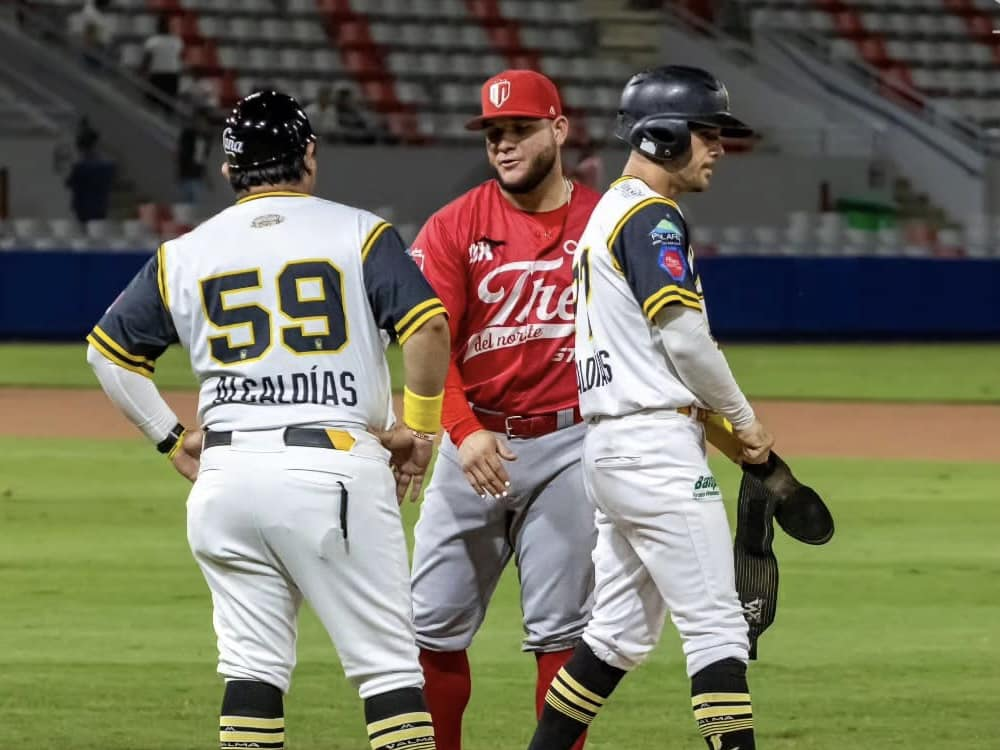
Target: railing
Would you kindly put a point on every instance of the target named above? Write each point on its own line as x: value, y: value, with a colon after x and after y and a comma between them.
x: 42, y: 27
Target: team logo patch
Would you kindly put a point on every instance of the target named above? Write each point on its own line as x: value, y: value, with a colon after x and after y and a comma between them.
x: 499, y: 92
x: 482, y: 249
x: 267, y: 220
x: 666, y: 233
x: 672, y: 262
x: 706, y: 488
x: 417, y: 253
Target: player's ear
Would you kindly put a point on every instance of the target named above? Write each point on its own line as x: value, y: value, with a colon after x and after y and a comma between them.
x: 225, y: 170
x: 560, y: 129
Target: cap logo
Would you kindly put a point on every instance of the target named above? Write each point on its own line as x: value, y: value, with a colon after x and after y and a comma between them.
x: 499, y: 92
x: 229, y: 144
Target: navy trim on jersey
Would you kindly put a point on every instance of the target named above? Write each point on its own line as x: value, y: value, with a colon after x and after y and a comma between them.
x: 137, y: 328
x: 650, y: 248
x: 401, y: 298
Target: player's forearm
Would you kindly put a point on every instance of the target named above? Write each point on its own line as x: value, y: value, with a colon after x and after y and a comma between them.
x: 701, y: 365
x: 136, y: 396
x: 456, y: 415
x: 426, y: 354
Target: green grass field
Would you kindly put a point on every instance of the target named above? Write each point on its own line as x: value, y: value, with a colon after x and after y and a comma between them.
x: 887, y: 637
x: 878, y: 372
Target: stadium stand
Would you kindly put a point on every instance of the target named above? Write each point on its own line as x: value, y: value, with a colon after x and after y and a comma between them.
x: 416, y: 65
x: 946, y: 49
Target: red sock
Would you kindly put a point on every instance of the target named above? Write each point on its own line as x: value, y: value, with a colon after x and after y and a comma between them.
x: 447, y: 686
x: 548, y: 665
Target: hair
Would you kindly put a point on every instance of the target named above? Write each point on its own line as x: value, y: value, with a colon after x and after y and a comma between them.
x: 163, y: 24
x: 288, y: 171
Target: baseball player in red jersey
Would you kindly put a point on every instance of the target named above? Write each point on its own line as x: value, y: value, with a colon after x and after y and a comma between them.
x: 500, y: 259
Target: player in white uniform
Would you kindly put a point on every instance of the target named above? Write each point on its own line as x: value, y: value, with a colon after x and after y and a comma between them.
x: 647, y: 368
x: 285, y: 303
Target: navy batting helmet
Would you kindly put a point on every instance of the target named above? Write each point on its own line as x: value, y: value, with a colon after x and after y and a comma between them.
x: 265, y: 128
x: 660, y: 106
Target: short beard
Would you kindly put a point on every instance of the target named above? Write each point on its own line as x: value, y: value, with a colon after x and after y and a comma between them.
x: 540, y: 168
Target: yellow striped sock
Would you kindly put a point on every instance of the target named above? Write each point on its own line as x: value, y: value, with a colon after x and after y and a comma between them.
x: 238, y: 732
x: 408, y: 731
x: 725, y: 720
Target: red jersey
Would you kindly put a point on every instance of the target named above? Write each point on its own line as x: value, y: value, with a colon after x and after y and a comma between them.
x: 506, y: 278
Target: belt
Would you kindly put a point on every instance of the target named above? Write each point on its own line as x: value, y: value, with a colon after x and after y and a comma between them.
x: 695, y: 412
x: 303, y: 437
x: 528, y: 425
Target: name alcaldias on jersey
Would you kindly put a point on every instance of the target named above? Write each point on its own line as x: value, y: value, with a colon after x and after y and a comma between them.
x: 314, y: 387
x: 527, y: 308
x: 594, y: 371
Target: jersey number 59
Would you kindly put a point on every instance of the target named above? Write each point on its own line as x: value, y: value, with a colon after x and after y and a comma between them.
x: 308, y: 290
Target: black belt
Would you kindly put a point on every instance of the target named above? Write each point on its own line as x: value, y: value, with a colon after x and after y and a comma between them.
x: 303, y: 437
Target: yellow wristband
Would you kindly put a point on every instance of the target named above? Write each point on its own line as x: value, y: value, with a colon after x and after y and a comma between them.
x: 177, y: 446
x: 422, y: 413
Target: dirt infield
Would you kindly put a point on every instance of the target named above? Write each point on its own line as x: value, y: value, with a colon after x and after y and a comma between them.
x: 842, y: 429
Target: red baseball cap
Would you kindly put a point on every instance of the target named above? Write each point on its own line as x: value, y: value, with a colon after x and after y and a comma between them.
x: 517, y: 93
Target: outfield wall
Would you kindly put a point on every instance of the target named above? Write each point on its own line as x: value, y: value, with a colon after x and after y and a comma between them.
x: 60, y: 295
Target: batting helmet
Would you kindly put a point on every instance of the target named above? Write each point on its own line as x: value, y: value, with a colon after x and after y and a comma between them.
x: 659, y: 106
x: 265, y: 128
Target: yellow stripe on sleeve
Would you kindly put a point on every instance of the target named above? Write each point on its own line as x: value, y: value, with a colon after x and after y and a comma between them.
x: 372, y: 238
x: 110, y: 355
x: 416, y: 310
x: 115, y: 346
x: 415, y: 325
x: 670, y: 289
x: 656, y: 200
x: 161, y: 275
x: 670, y: 299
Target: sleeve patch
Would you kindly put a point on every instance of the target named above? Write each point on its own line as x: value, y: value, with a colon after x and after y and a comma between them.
x: 672, y: 261
x: 666, y: 233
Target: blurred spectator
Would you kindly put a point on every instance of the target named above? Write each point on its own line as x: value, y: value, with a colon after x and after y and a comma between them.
x: 90, y: 180
x: 193, y: 149
x: 322, y: 113
x: 92, y: 28
x: 589, y: 169
x: 161, y: 62
x: 354, y: 123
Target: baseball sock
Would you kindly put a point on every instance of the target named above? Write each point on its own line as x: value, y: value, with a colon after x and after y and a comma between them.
x: 721, y: 702
x: 253, y: 715
x: 399, y: 720
x: 548, y: 665
x: 447, y: 687
x: 577, y: 693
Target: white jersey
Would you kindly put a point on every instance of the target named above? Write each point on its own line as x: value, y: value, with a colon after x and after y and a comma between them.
x: 285, y: 303
x: 633, y: 260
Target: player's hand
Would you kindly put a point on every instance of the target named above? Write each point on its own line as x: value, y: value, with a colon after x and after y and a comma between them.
x: 757, y: 442
x: 410, y: 457
x: 480, y: 455
x: 410, y: 475
x: 187, y: 460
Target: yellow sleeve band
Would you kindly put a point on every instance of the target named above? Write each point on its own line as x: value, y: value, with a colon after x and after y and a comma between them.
x: 422, y: 413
